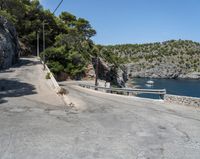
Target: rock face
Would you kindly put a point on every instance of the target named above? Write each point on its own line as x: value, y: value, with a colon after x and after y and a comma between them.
x: 192, y: 75
x: 9, y: 46
x: 109, y: 73
x: 170, y: 71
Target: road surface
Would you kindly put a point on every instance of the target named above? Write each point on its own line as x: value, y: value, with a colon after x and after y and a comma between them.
x: 96, y: 125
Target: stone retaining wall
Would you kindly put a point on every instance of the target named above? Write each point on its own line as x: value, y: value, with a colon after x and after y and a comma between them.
x: 183, y: 100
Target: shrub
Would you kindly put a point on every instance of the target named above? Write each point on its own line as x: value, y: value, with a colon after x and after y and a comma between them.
x: 76, y: 64
x: 47, y: 76
x: 55, y: 54
x: 55, y: 67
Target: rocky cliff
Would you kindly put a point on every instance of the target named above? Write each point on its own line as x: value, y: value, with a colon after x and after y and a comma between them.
x: 110, y: 73
x: 162, y: 70
x: 9, y: 46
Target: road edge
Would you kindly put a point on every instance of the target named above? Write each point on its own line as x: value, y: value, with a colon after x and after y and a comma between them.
x: 57, y: 87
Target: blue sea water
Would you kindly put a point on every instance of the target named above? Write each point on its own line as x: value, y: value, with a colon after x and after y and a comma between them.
x: 183, y: 87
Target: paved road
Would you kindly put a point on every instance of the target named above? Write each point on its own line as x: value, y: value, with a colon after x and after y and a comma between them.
x: 98, y: 125
x: 26, y: 81
x: 113, y: 126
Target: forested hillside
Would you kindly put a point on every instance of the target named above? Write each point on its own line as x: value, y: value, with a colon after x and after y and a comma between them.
x: 68, y: 44
x: 69, y: 49
x: 169, y: 59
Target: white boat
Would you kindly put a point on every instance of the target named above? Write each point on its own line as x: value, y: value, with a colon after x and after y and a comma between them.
x: 150, y: 82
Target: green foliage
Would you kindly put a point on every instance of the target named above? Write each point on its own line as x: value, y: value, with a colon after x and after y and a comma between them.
x: 8, y: 16
x: 55, y: 54
x: 47, y: 76
x: 55, y: 67
x: 68, y: 43
x: 27, y: 16
x: 76, y: 64
x: 178, y: 52
x: 111, y: 58
x: 63, y: 60
x: 68, y: 18
x: 70, y: 48
x: 84, y: 28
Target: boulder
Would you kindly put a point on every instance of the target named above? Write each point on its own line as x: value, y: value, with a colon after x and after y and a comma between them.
x: 9, y: 45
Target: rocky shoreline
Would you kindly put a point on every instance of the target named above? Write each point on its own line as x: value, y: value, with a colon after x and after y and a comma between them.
x: 161, y: 71
x: 182, y: 100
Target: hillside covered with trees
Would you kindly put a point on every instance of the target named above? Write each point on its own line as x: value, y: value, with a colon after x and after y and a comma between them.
x: 169, y: 59
x: 68, y: 44
x: 69, y: 49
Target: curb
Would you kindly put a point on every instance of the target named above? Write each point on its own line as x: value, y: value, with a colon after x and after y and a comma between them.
x: 57, y: 87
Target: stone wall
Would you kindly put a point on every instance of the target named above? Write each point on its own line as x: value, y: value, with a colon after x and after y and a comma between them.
x: 183, y: 100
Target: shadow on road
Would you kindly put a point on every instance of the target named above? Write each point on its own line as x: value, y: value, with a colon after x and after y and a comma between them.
x: 21, y: 62
x: 14, y: 88
x: 25, y: 62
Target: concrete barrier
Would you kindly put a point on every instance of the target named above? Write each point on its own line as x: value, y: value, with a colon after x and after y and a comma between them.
x: 56, y: 86
x: 182, y: 100
x: 53, y: 80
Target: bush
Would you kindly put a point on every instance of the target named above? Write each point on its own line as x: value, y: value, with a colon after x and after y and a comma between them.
x: 55, y: 54
x: 55, y: 67
x: 47, y: 76
x: 62, y: 60
x: 76, y: 64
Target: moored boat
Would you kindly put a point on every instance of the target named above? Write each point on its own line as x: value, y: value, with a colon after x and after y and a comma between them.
x: 150, y: 82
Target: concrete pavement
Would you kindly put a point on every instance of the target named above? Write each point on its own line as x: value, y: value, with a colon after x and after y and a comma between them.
x: 96, y: 125
x: 27, y: 80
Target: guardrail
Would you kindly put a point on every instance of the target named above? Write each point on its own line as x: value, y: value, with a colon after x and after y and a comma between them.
x: 127, y: 91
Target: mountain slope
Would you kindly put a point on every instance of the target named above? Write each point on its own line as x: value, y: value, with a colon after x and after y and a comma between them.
x: 169, y: 59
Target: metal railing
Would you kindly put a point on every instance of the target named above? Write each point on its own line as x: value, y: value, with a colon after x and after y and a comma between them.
x: 127, y: 91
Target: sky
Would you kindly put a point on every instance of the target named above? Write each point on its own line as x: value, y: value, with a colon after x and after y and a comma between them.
x: 136, y: 21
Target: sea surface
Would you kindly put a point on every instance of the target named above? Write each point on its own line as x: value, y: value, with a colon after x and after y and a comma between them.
x: 182, y: 87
